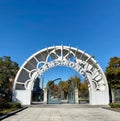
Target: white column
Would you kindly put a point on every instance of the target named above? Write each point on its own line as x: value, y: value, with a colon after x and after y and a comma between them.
x: 45, y: 95
x: 22, y: 96
x: 76, y: 95
x: 99, y: 97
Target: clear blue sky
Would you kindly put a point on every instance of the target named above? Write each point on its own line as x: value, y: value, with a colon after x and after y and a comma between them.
x: 27, y: 26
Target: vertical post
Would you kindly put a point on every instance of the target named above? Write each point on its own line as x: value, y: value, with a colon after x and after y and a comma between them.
x: 45, y: 95
x: 113, y: 95
x: 42, y: 81
x: 76, y: 95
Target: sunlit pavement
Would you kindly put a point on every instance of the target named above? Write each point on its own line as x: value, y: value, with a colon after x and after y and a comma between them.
x: 65, y: 113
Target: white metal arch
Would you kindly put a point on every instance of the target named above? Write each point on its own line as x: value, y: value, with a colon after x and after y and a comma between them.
x: 72, y: 57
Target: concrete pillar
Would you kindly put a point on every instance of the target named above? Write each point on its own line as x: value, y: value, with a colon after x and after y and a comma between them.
x: 45, y: 95
x: 113, y: 95
x: 22, y: 96
x: 90, y: 95
x: 98, y: 97
x: 76, y: 95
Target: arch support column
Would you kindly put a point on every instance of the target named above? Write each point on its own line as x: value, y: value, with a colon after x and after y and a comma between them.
x: 22, y: 96
x: 97, y: 97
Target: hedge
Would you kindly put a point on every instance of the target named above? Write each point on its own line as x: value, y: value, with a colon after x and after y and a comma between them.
x: 4, y: 104
x: 114, y: 105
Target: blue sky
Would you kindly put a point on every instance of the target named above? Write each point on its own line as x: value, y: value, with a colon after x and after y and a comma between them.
x: 27, y: 26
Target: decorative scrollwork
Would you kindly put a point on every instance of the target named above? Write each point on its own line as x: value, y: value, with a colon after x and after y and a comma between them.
x: 66, y: 56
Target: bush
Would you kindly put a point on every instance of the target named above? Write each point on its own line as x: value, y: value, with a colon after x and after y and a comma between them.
x: 3, y: 103
x: 114, y: 105
x: 8, y: 107
x: 14, y: 105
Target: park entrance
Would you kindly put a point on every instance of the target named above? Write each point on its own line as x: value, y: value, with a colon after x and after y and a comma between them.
x: 57, y: 95
x: 47, y: 58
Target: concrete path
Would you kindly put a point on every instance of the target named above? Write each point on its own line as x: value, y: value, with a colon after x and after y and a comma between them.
x: 62, y: 113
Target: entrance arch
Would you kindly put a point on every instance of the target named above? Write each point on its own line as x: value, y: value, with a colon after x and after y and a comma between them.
x: 53, y: 56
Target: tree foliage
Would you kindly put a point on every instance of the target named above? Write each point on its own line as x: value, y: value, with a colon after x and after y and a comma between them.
x: 83, y: 90
x: 113, y: 72
x: 8, y: 70
x: 50, y: 84
x: 64, y: 86
x: 76, y: 81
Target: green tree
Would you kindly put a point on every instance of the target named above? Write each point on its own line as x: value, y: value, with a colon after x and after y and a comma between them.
x: 76, y: 81
x: 61, y: 84
x: 65, y: 89
x: 113, y: 77
x: 113, y: 72
x: 84, y: 90
x: 50, y: 84
x: 8, y: 71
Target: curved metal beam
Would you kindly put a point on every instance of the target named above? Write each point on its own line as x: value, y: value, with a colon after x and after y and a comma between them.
x: 83, y: 63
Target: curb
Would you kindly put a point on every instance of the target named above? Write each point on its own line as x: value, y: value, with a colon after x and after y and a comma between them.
x: 112, y: 109
x: 12, y: 113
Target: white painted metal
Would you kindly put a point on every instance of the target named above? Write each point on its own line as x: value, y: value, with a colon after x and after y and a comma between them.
x: 80, y: 61
x: 23, y: 96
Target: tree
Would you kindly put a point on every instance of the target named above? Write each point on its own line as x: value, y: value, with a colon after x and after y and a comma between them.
x: 8, y: 71
x: 61, y: 84
x: 76, y: 81
x: 63, y: 87
x: 113, y: 76
x: 50, y: 84
x: 84, y: 89
x: 113, y: 72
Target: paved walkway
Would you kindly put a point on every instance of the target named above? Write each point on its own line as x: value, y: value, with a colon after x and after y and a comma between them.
x: 62, y: 113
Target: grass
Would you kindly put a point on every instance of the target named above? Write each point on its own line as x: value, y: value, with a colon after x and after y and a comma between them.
x: 5, y: 111
x: 115, y: 106
x: 9, y: 108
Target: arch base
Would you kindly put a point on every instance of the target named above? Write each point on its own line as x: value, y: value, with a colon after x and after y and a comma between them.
x: 98, y: 98
x: 22, y: 96
x: 95, y: 97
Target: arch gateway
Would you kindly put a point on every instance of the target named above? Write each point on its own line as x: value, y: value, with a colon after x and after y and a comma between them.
x: 50, y: 57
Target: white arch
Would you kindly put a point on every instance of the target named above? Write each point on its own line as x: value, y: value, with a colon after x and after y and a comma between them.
x: 72, y: 57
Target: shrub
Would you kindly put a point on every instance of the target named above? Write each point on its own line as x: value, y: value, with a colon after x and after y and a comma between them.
x: 14, y: 105
x: 8, y: 107
x: 114, y: 105
x: 3, y: 103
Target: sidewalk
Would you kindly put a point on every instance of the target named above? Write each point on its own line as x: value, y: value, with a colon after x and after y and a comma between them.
x: 65, y: 114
